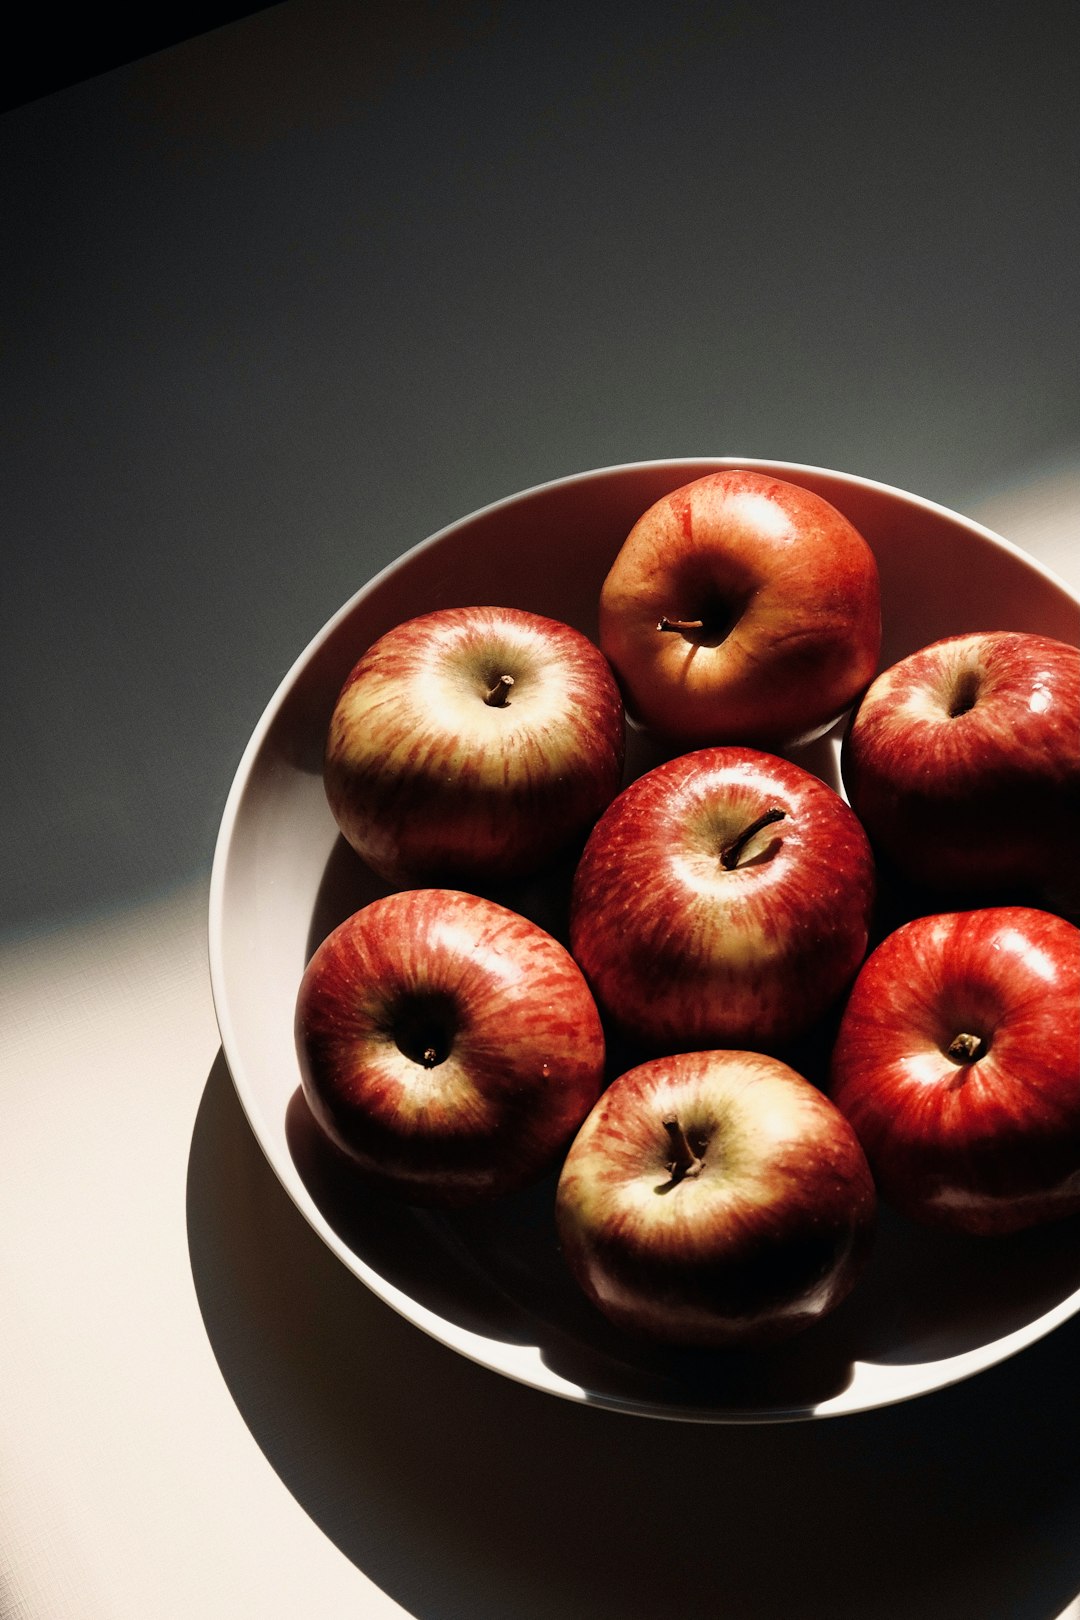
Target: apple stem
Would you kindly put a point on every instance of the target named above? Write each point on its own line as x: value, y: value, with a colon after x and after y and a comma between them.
x: 680, y: 624
x: 685, y: 1161
x: 729, y: 855
x: 497, y: 695
x: 965, y: 1048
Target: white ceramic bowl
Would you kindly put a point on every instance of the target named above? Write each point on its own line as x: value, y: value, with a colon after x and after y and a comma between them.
x: 491, y: 1284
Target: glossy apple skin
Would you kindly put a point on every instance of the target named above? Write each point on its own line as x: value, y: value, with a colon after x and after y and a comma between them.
x: 986, y: 1146
x: 682, y: 953
x: 764, y: 1241
x: 985, y: 801
x: 429, y: 782
x: 515, y: 1034
x: 790, y: 595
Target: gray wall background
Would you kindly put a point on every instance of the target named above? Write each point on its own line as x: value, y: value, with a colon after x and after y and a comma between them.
x: 282, y: 301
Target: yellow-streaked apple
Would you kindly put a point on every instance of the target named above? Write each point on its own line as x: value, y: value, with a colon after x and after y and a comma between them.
x: 715, y: 1199
x: 473, y: 745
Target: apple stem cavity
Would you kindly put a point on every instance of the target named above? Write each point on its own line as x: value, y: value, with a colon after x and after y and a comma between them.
x: 495, y: 697
x: 965, y: 694
x: 729, y: 855
x: 680, y: 624
x: 966, y: 1048
x: 684, y: 1161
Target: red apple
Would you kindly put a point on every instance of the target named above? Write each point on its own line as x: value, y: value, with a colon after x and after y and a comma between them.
x: 473, y: 744
x: 741, y: 609
x: 963, y: 763
x: 723, y: 899
x: 958, y: 1064
x: 449, y: 1046
x: 715, y: 1198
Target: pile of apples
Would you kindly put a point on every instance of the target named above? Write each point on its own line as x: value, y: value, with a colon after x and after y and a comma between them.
x: 724, y: 907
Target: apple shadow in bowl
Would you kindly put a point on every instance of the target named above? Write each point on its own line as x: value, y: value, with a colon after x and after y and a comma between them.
x: 496, y: 1270
x: 406, y: 1246
x: 930, y: 1295
x: 925, y: 1296
x: 347, y: 886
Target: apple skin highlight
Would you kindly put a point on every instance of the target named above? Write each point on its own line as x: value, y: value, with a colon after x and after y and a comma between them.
x: 773, y: 599
x: 963, y: 763
x: 684, y: 952
x: 986, y: 1141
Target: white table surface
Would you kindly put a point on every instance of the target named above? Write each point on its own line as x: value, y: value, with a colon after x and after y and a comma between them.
x: 279, y: 303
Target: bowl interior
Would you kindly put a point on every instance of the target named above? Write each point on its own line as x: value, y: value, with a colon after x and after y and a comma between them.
x: 491, y: 1284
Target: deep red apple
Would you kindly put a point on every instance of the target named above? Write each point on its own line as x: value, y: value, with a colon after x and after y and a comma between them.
x: 723, y: 899
x: 473, y: 744
x: 958, y: 1064
x: 449, y: 1046
x: 715, y: 1198
x: 741, y: 609
x: 963, y: 763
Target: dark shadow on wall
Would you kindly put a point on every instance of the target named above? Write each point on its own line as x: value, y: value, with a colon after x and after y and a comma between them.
x: 44, y: 65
